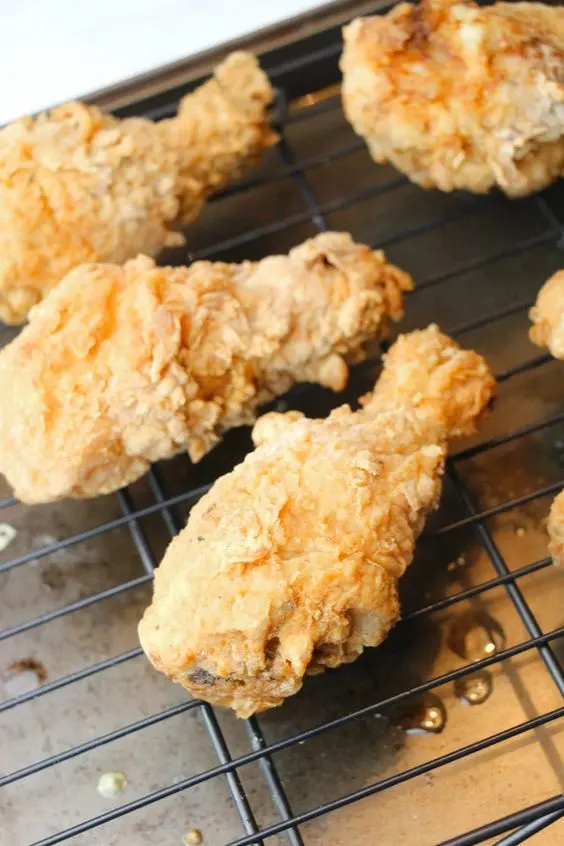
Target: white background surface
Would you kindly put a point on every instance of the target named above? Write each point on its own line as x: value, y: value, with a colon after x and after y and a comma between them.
x: 54, y: 50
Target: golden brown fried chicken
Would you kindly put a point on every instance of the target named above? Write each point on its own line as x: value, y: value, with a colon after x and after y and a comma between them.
x: 459, y: 96
x: 555, y: 527
x: 547, y: 330
x: 124, y: 365
x: 290, y: 563
x: 78, y: 185
x: 547, y: 316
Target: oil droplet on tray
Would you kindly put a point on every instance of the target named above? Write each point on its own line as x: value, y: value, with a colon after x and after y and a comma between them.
x: 457, y: 564
x: 475, y: 635
x: 192, y: 837
x: 475, y: 688
x: 426, y: 715
x: 112, y: 783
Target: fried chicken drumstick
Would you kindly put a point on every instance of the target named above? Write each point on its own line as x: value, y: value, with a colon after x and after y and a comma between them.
x: 290, y: 563
x: 121, y: 366
x: 547, y: 330
x: 460, y: 96
x: 79, y: 185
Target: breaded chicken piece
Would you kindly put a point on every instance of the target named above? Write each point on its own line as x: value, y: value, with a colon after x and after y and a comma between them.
x: 78, y: 185
x: 121, y: 366
x: 547, y: 330
x: 547, y: 316
x: 290, y: 563
x: 555, y: 525
x: 460, y: 96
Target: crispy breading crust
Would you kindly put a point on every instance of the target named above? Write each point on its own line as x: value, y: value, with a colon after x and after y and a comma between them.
x: 221, y: 130
x: 547, y: 330
x: 290, y: 563
x: 555, y: 525
x: 77, y: 185
x: 459, y: 96
x: 547, y: 316
x: 444, y: 382
x: 123, y: 365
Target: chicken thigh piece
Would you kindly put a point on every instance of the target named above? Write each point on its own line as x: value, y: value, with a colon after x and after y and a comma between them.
x: 79, y: 185
x: 121, y: 366
x: 290, y: 563
x: 460, y: 96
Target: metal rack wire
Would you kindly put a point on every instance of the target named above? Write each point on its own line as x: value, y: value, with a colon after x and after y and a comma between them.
x: 512, y: 829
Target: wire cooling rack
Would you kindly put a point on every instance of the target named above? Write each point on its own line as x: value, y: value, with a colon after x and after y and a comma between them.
x: 477, y: 263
